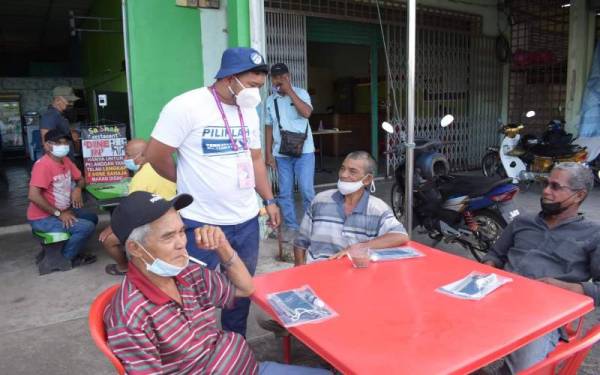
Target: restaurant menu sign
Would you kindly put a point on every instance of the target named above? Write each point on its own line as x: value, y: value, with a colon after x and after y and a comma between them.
x: 103, y: 148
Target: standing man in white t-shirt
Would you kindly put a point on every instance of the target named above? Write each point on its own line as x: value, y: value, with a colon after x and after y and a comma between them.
x: 216, y: 133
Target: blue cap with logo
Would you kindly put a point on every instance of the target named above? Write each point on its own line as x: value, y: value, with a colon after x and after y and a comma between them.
x: 241, y: 59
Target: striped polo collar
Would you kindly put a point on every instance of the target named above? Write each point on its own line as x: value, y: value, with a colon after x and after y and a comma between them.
x: 148, y: 289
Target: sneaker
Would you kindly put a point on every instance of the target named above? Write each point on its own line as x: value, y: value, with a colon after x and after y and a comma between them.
x: 83, y: 259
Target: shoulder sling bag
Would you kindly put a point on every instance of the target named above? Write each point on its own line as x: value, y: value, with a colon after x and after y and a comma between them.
x: 291, y: 142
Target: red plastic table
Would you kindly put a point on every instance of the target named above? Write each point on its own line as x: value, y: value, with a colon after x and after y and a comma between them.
x: 392, y: 321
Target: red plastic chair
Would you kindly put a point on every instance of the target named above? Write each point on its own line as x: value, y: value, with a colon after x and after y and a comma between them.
x: 566, y: 358
x: 96, y: 324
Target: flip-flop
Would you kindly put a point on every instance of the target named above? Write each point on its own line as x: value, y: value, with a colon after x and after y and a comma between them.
x: 112, y: 269
x: 83, y: 259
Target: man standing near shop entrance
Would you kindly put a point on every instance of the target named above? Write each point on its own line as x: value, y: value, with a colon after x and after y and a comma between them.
x: 288, y: 109
x: 216, y: 134
x: 63, y: 99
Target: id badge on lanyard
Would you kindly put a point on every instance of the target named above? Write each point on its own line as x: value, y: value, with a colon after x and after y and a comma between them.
x: 245, y: 172
x: 245, y: 168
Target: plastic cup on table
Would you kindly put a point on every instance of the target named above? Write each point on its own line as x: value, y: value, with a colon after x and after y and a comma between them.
x: 360, y: 257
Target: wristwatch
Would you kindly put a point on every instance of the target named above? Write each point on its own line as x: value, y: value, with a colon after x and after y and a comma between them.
x: 268, y: 202
x: 56, y: 213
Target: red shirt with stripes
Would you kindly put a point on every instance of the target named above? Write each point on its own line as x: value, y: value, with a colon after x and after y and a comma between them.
x: 152, y: 334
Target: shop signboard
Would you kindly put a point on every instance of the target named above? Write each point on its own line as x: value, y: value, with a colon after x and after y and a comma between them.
x: 103, y: 148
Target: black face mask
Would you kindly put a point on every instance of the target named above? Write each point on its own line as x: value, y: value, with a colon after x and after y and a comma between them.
x: 554, y: 208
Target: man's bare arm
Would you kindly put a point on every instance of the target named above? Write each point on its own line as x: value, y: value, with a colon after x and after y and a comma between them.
x: 160, y: 156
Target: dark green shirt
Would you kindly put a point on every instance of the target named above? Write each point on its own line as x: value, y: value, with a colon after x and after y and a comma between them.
x: 569, y: 252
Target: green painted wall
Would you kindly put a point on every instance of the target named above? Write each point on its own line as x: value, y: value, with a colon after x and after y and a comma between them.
x: 165, y: 57
x: 238, y: 23
x: 103, y: 55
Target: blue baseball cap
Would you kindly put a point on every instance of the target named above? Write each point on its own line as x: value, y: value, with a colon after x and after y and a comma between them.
x: 241, y: 59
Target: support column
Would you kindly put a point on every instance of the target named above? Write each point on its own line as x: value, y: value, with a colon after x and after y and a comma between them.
x: 578, y: 61
x: 374, y: 101
x: 215, y: 39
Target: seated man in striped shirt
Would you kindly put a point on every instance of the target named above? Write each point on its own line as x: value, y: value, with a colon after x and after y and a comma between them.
x: 162, y: 319
x: 349, y: 216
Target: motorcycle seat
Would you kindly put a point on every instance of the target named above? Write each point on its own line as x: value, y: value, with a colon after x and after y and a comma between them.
x: 473, y: 186
x: 424, y: 144
x: 556, y: 151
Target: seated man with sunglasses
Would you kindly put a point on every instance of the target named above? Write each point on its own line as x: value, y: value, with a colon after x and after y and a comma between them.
x: 557, y: 246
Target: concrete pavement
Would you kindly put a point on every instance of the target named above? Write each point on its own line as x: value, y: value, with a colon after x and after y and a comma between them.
x: 44, y: 318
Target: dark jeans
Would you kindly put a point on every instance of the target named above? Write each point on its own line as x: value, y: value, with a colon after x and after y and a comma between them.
x: 244, y: 239
x: 83, y: 228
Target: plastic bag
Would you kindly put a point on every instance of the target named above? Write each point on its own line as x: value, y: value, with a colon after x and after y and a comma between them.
x: 299, y: 306
x: 382, y: 255
x: 474, y: 286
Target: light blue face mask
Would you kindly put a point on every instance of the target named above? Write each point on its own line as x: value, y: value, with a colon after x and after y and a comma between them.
x: 130, y: 164
x: 161, y: 268
x: 60, y: 150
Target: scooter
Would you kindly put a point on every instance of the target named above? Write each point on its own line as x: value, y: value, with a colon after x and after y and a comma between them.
x: 528, y: 158
x: 468, y: 210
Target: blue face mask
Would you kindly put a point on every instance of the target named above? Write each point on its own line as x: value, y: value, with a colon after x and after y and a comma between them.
x: 161, y: 268
x: 60, y: 151
x: 130, y: 164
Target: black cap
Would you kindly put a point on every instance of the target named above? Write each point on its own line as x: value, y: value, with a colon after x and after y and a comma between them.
x: 279, y: 69
x: 141, y: 208
x: 54, y: 135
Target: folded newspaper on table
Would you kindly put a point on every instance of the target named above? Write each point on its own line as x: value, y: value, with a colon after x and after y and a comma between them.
x: 299, y: 306
x: 475, y: 286
x: 381, y: 255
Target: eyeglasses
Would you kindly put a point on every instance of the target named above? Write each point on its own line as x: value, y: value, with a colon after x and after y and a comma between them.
x: 555, y: 186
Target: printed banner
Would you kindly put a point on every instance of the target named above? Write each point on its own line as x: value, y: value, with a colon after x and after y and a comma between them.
x: 103, y: 148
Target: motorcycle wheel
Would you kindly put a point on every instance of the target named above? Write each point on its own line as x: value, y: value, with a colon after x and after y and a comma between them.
x: 491, y: 165
x: 397, y: 200
x: 491, y: 224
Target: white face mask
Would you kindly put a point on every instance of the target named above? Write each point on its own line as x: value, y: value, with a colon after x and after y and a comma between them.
x: 248, y: 97
x: 161, y: 268
x: 348, y: 187
x: 60, y: 150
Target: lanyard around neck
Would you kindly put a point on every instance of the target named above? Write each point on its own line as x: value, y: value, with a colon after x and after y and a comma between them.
x: 226, y: 122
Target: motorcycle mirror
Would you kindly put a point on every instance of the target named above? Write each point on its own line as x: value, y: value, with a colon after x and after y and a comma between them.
x: 387, y: 127
x: 530, y: 114
x: 447, y: 120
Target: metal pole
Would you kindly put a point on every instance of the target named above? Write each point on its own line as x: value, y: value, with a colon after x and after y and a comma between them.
x: 410, y: 124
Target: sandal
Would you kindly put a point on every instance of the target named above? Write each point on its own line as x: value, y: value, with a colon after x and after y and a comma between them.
x: 112, y: 269
x: 83, y: 259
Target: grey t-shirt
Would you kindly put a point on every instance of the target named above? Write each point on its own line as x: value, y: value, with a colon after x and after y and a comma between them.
x: 569, y: 252
x: 54, y: 119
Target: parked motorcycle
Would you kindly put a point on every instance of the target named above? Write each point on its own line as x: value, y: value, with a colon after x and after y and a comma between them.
x: 528, y: 157
x: 469, y: 210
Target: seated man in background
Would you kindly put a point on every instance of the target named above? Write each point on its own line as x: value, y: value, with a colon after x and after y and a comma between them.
x: 162, y: 319
x: 145, y: 178
x: 557, y: 246
x: 55, y: 203
x: 349, y: 216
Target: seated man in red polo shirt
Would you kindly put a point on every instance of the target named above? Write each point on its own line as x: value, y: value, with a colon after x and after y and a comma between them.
x: 162, y: 319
